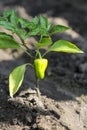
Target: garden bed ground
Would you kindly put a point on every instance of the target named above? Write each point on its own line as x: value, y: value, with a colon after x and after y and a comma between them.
x: 63, y: 104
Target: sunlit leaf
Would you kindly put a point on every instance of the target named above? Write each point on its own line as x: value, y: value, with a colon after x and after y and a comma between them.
x: 58, y: 28
x: 44, y: 26
x: 7, y: 25
x: 16, y: 78
x: 7, y: 13
x: 7, y: 41
x: 21, y: 33
x: 43, y: 32
x: 44, y: 42
x: 34, y: 32
x: 14, y: 18
x: 23, y: 22
x: 64, y: 46
x: 43, y: 21
x: 10, y: 17
x: 35, y: 20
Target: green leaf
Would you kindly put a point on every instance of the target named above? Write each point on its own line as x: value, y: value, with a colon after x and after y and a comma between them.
x: 43, y: 31
x: 44, y: 42
x: 34, y: 32
x: 10, y: 14
x: 16, y: 78
x: 21, y: 33
x: 9, y: 20
x: 7, y: 13
x: 58, y: 28
x: 14, y: 19
x: 7, y: 41
x: 48, y: 26
x: 7, y: 25
x: 43, y: 22
x: 44, y: 26
x: 35, y: 20
x: 24, y: 23
x: 64, y: 46
x: 31, y: 26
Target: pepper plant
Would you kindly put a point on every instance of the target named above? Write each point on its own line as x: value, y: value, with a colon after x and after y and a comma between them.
x: 39, y: 28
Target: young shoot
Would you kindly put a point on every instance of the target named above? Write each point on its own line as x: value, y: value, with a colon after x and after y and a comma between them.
x: 38, y: 27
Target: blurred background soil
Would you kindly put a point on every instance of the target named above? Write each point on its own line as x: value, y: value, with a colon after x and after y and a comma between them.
x: 64, y: 90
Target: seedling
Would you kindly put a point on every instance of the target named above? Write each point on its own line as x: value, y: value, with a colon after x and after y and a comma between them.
x: 40, y: 29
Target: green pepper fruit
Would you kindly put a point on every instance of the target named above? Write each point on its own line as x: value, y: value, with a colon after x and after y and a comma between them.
x: 40, y: 67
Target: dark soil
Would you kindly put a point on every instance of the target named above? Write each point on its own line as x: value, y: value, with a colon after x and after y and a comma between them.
x: 63, y: 103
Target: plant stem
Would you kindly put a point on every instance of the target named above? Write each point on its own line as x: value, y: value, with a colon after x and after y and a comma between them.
x: 37, y: 87
x: 23, y: 46
x: 38, y: 54
x: 40, y: 38
x: 45, y: 53
x: 27, y: 52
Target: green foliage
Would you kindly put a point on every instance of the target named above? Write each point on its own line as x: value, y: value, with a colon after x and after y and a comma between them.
x: 58, y: 28
x: 23, y: 23
x: 64, y: 46
x: 44, y: 42
x: 44, y: 26
x: 39, y: 28
x: 9, y: 20
x: 16, y: 78
x: 7, y: 41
